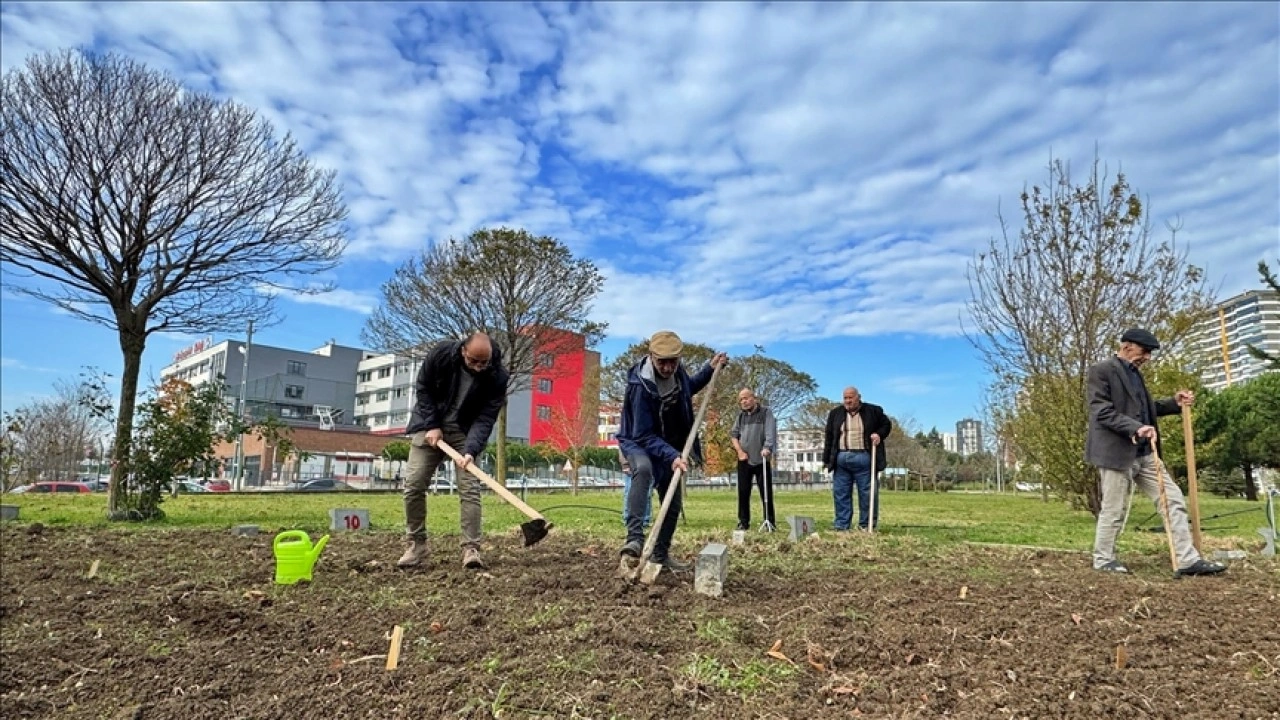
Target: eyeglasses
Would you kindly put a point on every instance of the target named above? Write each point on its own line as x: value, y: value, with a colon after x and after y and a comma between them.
x: 473, y: 363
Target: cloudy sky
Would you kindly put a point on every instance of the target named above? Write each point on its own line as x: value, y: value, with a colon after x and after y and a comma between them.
x: 810, y: 178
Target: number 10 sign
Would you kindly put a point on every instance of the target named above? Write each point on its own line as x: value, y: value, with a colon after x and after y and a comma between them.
x: 342, y: 519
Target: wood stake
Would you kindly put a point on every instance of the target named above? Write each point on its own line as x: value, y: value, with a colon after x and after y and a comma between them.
x: 1121, y: 657
x: 393, y: 654
x: 1193, y: 489
x: 93, y: 569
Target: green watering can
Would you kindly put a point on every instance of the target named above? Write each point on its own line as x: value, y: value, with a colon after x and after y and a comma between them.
x: 295, y: 556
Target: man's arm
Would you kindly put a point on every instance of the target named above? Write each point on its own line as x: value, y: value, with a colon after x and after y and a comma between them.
x: 770, y: 432
x: 1101, y: 409
x: 828, y: 460
x: 735, y: 436
x: 700, y: 380
x: 1167, y: 406
x: 426, y: 404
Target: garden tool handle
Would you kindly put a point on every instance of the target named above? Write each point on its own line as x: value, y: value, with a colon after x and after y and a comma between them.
x: 492, y: 484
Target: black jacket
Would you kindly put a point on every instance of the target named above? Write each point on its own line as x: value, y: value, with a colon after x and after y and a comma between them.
x: 873, y: 421
x: 1115, y: 401
x: 438, y: 382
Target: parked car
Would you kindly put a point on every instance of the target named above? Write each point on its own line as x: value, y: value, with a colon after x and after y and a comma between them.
x: 189, y: 486
x: 326, y: 484
x: 53, y: 487
x: 218, y: 485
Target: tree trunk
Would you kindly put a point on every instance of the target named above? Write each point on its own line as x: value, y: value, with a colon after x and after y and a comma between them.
x: 500, y: 464
x: 1250, y: 485
x: 132, y: 344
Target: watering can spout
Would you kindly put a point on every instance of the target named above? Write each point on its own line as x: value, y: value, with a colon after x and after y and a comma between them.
x: 315, y: 552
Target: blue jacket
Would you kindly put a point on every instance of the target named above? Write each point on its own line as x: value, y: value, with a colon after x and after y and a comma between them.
x: 640, y: 430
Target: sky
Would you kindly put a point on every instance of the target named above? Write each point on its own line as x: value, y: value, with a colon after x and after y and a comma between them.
x: 810, y: 178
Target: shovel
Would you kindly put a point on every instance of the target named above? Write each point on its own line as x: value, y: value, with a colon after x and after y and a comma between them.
x: 535, y: 529
x: 647, y: 571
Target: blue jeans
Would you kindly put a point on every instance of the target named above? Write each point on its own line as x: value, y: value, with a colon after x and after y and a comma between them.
x: 648, y: 476
x: 648, y: 502
x: 853, y: 468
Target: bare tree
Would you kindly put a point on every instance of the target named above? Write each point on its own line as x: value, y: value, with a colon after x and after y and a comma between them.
x: 1053, y: 299
x: 528, y: 292
x: 133, y: 202
x: 49, y: 438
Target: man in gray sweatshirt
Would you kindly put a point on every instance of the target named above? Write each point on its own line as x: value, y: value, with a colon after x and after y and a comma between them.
x: 755, y: 437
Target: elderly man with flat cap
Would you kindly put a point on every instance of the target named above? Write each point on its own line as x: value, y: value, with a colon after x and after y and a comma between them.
x: 1122, y: 426
x: 657, y: 417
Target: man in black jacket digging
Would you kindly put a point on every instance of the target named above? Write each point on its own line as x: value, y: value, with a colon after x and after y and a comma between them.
x: 461, y: 388
x: 853, y: 428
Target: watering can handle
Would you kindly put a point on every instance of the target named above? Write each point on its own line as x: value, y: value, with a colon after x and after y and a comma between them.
x: 291, y: 535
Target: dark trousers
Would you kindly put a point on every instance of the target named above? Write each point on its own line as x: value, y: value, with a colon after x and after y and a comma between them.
x: 645, y: 474
x: 746, y: 474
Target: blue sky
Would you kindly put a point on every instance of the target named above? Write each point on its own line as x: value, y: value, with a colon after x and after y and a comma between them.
x: 810, y: 178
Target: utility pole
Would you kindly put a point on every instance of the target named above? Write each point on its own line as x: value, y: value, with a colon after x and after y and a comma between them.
x: 237, y: 482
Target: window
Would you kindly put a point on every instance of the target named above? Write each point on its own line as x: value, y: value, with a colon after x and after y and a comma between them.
x: 296, y: 367
x: 400, y: 417
x: 546, y: 359
x: 404, y: 368
x: 365, y: 376
x: 383, y: 395
x: 544, y: 385
x: 384, y: 372
x: 293, y: 392
x: 544, y: 412
x: 362, y: 400
x: 400, y: 392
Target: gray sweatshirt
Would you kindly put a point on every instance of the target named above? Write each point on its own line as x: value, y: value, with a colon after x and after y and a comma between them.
x: 756, y: 431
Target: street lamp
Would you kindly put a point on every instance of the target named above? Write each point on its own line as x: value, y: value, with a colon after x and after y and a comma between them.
x: 238, y: 476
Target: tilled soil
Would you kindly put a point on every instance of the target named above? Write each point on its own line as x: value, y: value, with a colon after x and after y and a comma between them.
x: 188, y: 624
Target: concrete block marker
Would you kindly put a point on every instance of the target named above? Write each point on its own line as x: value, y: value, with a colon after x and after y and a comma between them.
x: 349, y: 519
x: 8, y: 512
x: 1269, y: 536
x: 739, y: 537
x: 711, y: 570
x: 245, y: 530
x: 801, y: 527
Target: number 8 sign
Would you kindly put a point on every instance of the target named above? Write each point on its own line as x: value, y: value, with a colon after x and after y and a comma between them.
x: 349, y: 519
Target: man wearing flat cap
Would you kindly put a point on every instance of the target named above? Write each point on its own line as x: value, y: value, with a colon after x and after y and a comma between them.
x: 657, y: 417
x: 1122, y: 427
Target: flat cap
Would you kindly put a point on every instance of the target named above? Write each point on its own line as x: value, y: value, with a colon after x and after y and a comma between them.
x: 1140, y: 337
x: 665, y: 345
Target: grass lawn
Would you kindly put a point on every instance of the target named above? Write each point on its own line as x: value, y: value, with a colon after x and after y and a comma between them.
x: 910, y: 517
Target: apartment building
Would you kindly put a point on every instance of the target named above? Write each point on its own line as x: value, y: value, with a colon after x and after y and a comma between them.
x: 294, y: 385
x: 968, y: 437
x: 799, y: 451
x: 608, y: 424
x: 949, y: 442
x: 1250, y: 318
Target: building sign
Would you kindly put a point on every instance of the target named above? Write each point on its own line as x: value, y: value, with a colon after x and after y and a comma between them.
x: 198, y: 346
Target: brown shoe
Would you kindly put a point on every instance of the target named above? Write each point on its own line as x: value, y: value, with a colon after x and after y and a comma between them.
x: 471, y: 559
x: 414, y: 553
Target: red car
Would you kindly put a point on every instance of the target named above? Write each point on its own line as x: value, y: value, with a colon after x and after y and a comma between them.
x: 218, y: 486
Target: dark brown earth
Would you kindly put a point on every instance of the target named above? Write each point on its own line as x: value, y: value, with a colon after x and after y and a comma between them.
x: 187, y: 624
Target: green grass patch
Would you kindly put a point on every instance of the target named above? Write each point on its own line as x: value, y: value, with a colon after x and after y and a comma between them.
x: 911, y: 522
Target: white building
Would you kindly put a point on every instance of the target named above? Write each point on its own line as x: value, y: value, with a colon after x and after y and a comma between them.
x: 384, y: 393
x: 294, y: 385
x: 1250, y: 318
x: 949, y: 442
x: 799, y: 451
x: 968, y: 437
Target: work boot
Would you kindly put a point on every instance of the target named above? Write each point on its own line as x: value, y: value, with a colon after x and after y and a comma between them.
x: 743, y: 526
x: 414, y: 553
x: 632, y: 549
x: 471, y: 559
x: 673, y: 565
x: 1202, y: 567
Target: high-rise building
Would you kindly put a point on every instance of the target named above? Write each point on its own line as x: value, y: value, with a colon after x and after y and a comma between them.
x: 968, y: 437
x: 1250, y: 318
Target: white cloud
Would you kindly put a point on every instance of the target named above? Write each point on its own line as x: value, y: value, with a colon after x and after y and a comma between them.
x: 742, y: 172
